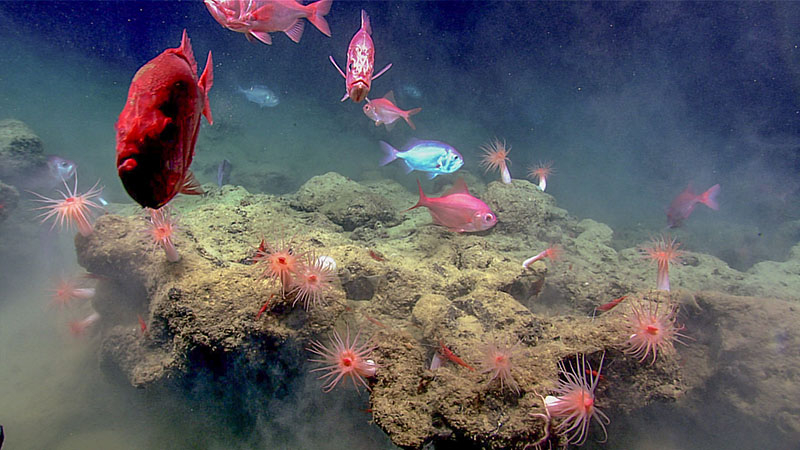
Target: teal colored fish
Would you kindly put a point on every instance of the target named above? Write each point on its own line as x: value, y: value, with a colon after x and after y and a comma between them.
x: 433, y: 157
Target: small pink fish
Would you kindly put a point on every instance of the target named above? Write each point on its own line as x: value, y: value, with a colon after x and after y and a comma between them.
x: 457, y: 210
x: 385, y: 111
x: 683, y: 205
x: 257, y: 18
x: 360, y: 63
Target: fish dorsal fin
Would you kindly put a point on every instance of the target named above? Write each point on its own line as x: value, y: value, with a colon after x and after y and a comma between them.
x: 205, y: 83
x: 185, y: 50
x: 390, y: 96
x: 365, y: 22
x: 459, y: 187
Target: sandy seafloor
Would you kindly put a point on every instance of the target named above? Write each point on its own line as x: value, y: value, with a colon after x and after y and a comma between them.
x: 53, y: 394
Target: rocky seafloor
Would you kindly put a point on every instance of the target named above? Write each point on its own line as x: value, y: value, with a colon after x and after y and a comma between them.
x: 434, y: 287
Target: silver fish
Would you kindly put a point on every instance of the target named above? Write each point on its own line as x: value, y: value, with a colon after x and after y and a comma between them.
x: 261, y: 96
x: 223, y: 172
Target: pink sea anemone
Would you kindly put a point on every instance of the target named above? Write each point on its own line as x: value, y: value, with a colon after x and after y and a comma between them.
x: 495, y: 156
x: 498, y: 360
x: 553, y: 253
x: 312, y: 281
x: 574, y: 401
x: 73, y: 210
x: 78, y: 328
x: 541, y: 171
x: 69, y: 289
x: 163, y: 226
x: 281, y: 261
x: 344, y: 359
x: 664, y: 251
x: 653, y: 329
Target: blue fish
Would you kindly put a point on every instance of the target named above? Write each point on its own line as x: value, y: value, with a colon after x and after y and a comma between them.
x: 261, y: 96
x: 433, y: 157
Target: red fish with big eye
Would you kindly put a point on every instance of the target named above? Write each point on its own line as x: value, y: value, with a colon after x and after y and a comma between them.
x: 360, y: 63
x: 457, y: 209
x: 157, y: 129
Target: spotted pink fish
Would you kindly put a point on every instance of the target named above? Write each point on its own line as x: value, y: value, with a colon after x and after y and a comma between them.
x: 457, y: 210
x: 360, y: 63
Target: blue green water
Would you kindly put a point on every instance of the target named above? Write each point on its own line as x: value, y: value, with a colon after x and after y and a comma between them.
x: 630, y: 101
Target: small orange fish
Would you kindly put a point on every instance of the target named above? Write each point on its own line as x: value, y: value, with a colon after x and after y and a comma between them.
x: 610, y: 305
x: 142, y: 324
x: 447, y: 353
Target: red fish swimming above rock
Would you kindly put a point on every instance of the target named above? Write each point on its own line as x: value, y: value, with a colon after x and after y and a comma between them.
x: 157, y: 129
x: 360, y: 63
x: 683, y: 205
x: 257, y: 18
x: 457, y: 210
x: 385, y: 111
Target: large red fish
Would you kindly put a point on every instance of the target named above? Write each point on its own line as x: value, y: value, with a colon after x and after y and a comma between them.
x: 158, y: 126
x: 360, y: 63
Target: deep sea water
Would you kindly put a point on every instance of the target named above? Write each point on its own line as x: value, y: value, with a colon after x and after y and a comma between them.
x: 631, y: 101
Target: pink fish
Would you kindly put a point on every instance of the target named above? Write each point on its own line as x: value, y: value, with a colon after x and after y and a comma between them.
x: 457, y: 210
x: 257, y: 18
x: 384, y: 111
x: 683, y: 205
x: 360, y: 63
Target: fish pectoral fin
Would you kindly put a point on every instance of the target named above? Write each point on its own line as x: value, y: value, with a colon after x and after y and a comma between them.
x: 333, y: 61
x: 191, y: 186
x: 261, y: 36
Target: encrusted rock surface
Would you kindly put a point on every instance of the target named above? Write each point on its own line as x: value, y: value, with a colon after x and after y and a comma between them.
x: 21, y: 151
x: 9, y: 198
x: 410, y: 285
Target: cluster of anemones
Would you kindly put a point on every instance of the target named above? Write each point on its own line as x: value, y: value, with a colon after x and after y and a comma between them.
x: 73, y: 292
x: 305, y: 276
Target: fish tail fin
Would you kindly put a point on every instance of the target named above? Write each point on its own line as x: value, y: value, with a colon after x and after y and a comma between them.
x: 317, y: 16
x: 709, y: 197
x: 389, y: 153
x: 206, y: 80
x: 191, y: 186
x: 423, y: 199
x: 408, y: 115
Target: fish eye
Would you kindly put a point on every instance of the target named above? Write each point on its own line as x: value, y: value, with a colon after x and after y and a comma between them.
x: 488, y: 217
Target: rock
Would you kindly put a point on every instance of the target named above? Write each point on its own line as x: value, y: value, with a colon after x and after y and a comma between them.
x: 743, y: 359
x: 432, y: 287
x: 345, y: 202
x: 9, y: 198
x: 21, y: 151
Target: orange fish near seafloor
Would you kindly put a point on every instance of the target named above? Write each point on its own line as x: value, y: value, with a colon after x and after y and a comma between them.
x: 385, y: 111
x: 683, y: 205
x: 360, y: 63
x: 158, y: 126
x: 457, y: 209
x: 257, y: 18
